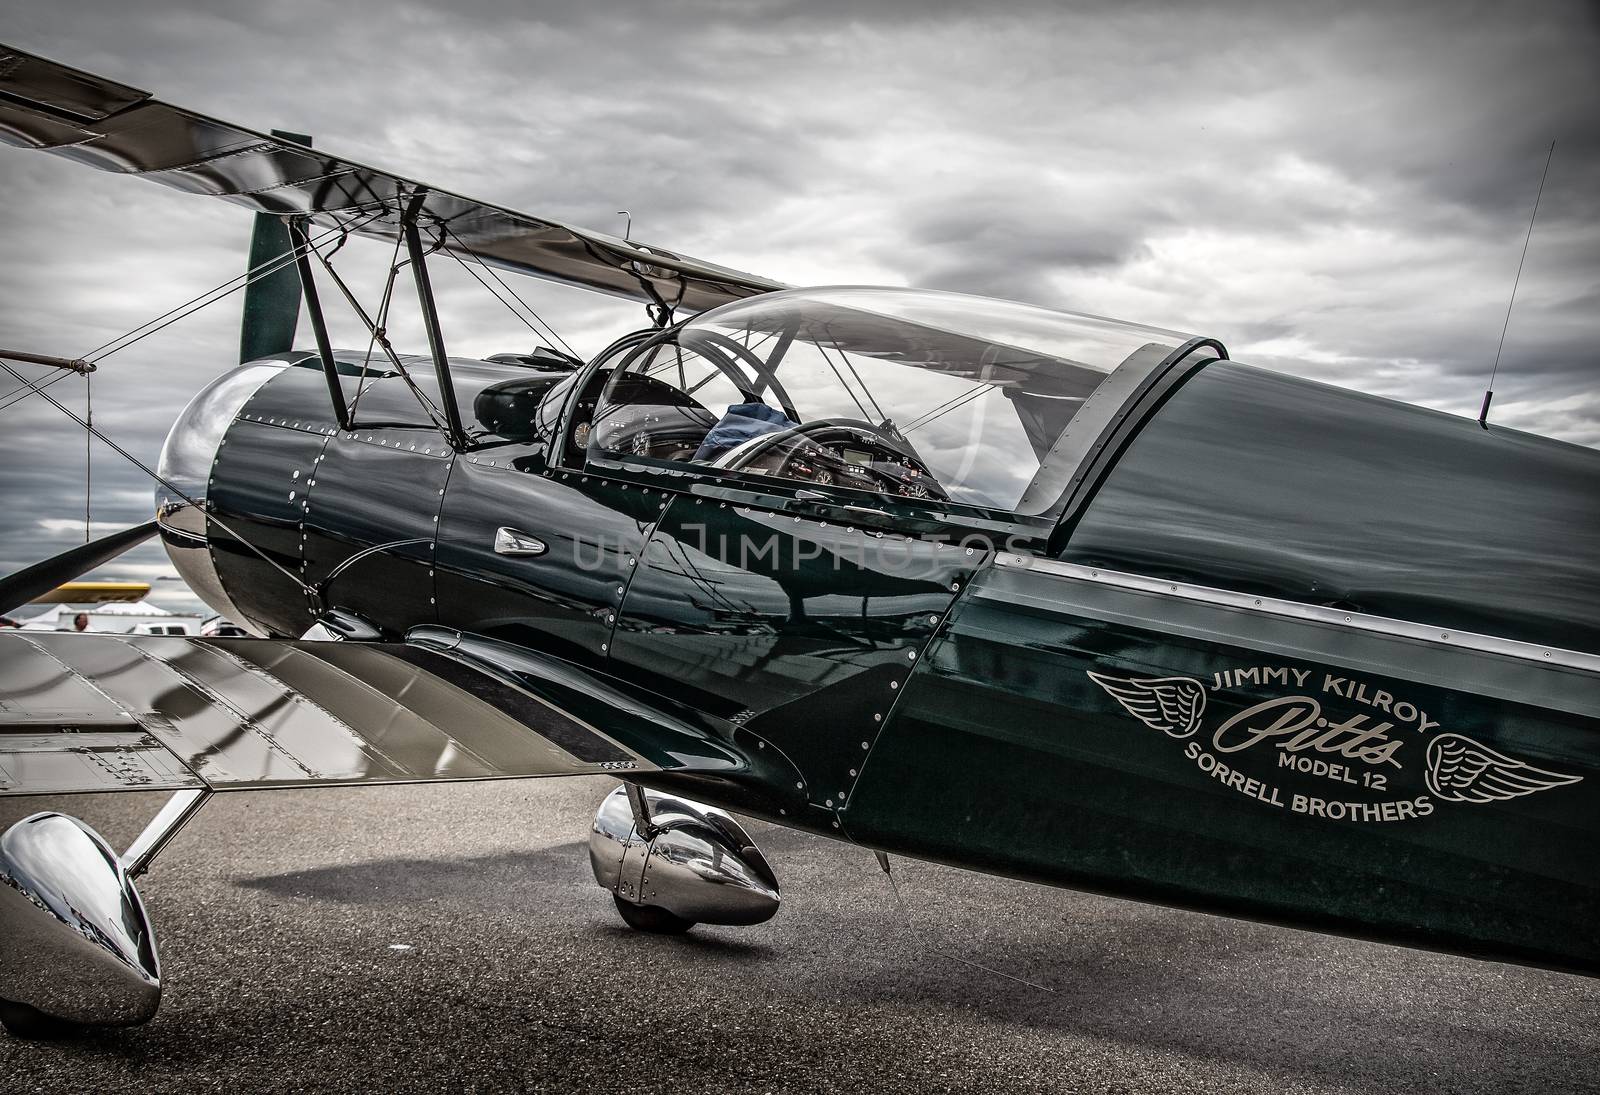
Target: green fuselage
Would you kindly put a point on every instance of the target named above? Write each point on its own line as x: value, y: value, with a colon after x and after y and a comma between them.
x: 1160, y: 702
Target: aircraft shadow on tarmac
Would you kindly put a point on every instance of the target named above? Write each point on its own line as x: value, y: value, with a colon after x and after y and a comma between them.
x: 1263, y: 997
x: 415, y: 880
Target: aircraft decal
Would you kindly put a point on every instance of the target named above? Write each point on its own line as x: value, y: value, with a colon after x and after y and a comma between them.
x: 1287, y: 750
x: 1172, y: 705
x: 1463, y: 770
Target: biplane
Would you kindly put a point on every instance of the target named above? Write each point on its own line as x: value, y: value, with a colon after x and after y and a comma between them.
x: 1035, y: 593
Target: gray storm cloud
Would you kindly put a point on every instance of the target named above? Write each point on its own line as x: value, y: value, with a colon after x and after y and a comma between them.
x: 1341, y: 195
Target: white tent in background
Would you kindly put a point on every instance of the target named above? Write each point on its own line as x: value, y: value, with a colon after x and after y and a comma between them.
x: 130, y: 618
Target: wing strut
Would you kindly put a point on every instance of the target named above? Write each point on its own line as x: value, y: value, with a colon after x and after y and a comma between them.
x: 380, y: 338
x: 430, y: 321
x: 319, y: 323
x: 174, y: 815
x: 76, y: 365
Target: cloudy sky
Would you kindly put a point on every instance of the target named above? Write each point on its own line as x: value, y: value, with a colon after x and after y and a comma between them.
x: 1336, y: 191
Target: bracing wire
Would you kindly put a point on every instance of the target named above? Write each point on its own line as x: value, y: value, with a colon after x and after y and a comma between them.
x: 157, y: 476
x: 168, y: 318
x: 211, y: 296
x: 382, y: 339
x: 539, y: 326
x: 844, y: 357
x: 122, y: 342
x: 491, y: 272
x: 947, y: 407
x: 492, y: 292
x: 14, y: 391
x: 917, y: 421
x: 922, y: 943
x: 88, y: 454
x: 29, y: 389
x: 383, y: 319
x: 843, y: 383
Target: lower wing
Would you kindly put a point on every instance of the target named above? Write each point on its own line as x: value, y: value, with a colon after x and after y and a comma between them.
x: 95, y: 712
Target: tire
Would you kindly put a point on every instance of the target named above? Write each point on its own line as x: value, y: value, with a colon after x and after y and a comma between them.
x: 648, y: 918
x: 23, y: 1021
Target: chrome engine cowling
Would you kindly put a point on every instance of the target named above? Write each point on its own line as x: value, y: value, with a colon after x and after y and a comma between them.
x: 187, y: 460
x: 692, y: 860
x: 75, y: 944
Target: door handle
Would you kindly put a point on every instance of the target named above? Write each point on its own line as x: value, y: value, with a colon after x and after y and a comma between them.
x: 510, y: 541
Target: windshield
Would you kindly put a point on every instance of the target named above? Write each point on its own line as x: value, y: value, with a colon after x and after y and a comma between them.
x: 891, y: 391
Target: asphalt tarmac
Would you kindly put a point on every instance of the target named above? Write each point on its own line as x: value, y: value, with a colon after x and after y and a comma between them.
x: 450, y: 938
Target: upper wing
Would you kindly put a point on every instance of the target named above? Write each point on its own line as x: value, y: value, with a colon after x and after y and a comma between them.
x: 119, y: 128
x: 94, y: 712
x: 1463, y: 770
x: 1172, y: 705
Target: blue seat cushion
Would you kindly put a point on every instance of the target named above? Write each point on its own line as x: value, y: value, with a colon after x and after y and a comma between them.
x: 742, y: 422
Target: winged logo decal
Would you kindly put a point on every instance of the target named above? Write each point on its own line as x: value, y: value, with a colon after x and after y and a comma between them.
x: 1463, y: 770
x: 1329, y: 746
x: 1172, y: 705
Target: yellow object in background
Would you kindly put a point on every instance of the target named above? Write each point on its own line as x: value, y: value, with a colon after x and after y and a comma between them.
x: 84, y: 593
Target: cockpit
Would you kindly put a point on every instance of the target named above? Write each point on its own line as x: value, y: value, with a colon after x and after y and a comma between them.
x: 899, y: 393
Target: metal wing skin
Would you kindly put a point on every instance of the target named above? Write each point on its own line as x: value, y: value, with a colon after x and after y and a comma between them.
x: 1173, y: 705
x: 1463, y: 770
x: 114, y: 127
x: 95, y: 712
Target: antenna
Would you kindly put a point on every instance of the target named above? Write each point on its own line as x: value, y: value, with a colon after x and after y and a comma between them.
x: 1488, y: 393
x: 628, y: 231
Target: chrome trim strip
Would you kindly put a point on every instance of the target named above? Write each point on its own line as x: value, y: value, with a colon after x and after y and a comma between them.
x: 173, y: 532
x: 1273, y: 606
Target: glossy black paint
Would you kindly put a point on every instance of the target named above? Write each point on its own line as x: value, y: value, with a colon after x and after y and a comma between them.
x: 350, y: 514
x: 1006, y: 750
x: 255, y: 494
x: 564, y: 602
x: 801, y: 630
x: 1263, y: 483
x: 829, y: 667
x: 729, y: 764
x: 373, y: 506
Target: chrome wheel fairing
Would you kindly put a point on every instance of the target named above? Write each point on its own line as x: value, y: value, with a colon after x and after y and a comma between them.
x: 75, y: 943
x: 692, y: 860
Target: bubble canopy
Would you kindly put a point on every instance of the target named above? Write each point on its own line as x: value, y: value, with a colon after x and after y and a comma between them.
x: 905, y: 392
